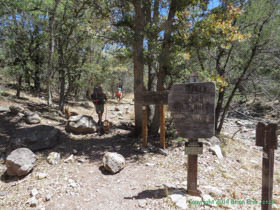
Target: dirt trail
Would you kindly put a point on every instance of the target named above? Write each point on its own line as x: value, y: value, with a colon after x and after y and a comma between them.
x: 83, y: 184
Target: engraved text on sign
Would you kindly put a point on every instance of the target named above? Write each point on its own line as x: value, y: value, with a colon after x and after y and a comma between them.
x: 192, y: 107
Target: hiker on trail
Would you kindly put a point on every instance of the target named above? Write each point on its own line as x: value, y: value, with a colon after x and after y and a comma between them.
x: 119, y: 95
x: 99, y: 99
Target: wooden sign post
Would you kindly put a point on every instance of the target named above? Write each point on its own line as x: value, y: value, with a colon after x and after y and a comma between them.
x: 266, y: 137
x: 145, y: 125
x: 156, y: 98
x: 192, y: 107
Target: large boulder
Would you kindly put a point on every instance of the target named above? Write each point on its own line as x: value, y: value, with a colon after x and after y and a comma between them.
x: 113, y: 162
x: 15, y: 109
x: 32, y: 118
x: 81, y: 124
x: 36, y: 138
x: 20, y: 162
x: 4, y: 109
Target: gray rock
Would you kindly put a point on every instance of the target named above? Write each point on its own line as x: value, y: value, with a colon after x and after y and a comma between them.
x: 144, y: 150
x: 33, y: 202
x: 34, y: 192
x: 176, y: 197
x: 163, y: 151
x: 85, y: 105
x: 48, y: 197
x: 3, y: 193
x: 113, y: 162
x: 16, y: 109
x: 81, y: 124
x: 20, y: 114
x: 20, y: 162
x: 42, y: 175
x: 69, y: 159
x: 4, y: 109
x: 214, y: 140
x: 149, y: 164
x: 53, y: 158
x: 36, y: 138
x: 213, y: 191
x: 72, y: 183
x: 182, y: 203
x: 32, y: 118
x: 142, y: 203
x: 179, y: 200
x: 216, y: 149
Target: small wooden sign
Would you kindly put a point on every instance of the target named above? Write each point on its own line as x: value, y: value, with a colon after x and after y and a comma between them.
x: 192, y: 107
x: 193, y: 148
x: 266, y: 135
x: 149, y: 97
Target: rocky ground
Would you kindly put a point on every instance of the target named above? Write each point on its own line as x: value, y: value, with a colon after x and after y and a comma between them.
x: 150, y: 179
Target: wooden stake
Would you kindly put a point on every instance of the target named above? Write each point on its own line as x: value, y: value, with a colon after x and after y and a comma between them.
x: 192, y: 173
x: 267, y: 178
x: 162, y: 126
x: 145, y: 126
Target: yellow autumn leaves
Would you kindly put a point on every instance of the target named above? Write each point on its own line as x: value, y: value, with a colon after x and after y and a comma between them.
x: 220, y: 82
x: 222, y: 27
x: 185, y: 55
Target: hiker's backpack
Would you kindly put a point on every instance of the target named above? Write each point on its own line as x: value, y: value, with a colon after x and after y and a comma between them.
x: 119, y: 93
x: 97, y: 95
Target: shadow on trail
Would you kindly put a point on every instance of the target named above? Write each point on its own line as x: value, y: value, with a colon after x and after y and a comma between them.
x: 7, y: 179
x: 150, y: 194
x: 8, y: 125
x: 157, y: 193
x: 94, y: 147
x: 90, y: 146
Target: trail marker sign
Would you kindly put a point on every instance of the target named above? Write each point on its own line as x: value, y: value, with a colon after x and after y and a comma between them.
x: 192, y: 107
x: 266, y: 137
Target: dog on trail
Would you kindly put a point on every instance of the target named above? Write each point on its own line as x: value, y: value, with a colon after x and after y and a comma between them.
x: 68, y: 113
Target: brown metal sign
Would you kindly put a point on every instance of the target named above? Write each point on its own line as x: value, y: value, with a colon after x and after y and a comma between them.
x: 192, y: 107
x: 193, y: 148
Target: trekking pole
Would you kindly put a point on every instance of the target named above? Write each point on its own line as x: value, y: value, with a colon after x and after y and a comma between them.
x: 106, y: 111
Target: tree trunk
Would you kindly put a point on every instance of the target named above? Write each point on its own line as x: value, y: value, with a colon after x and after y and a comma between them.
x: 153, y: 110
x: 19, y: 86
x: 164, y: 62
x: 62, y: 89
x: 138, y: 61
x: 51, y: 50
x: 37, y: 82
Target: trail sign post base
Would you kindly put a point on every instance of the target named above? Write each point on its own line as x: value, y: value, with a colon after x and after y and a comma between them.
x: 192, y: 176
x: 267, y: 138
